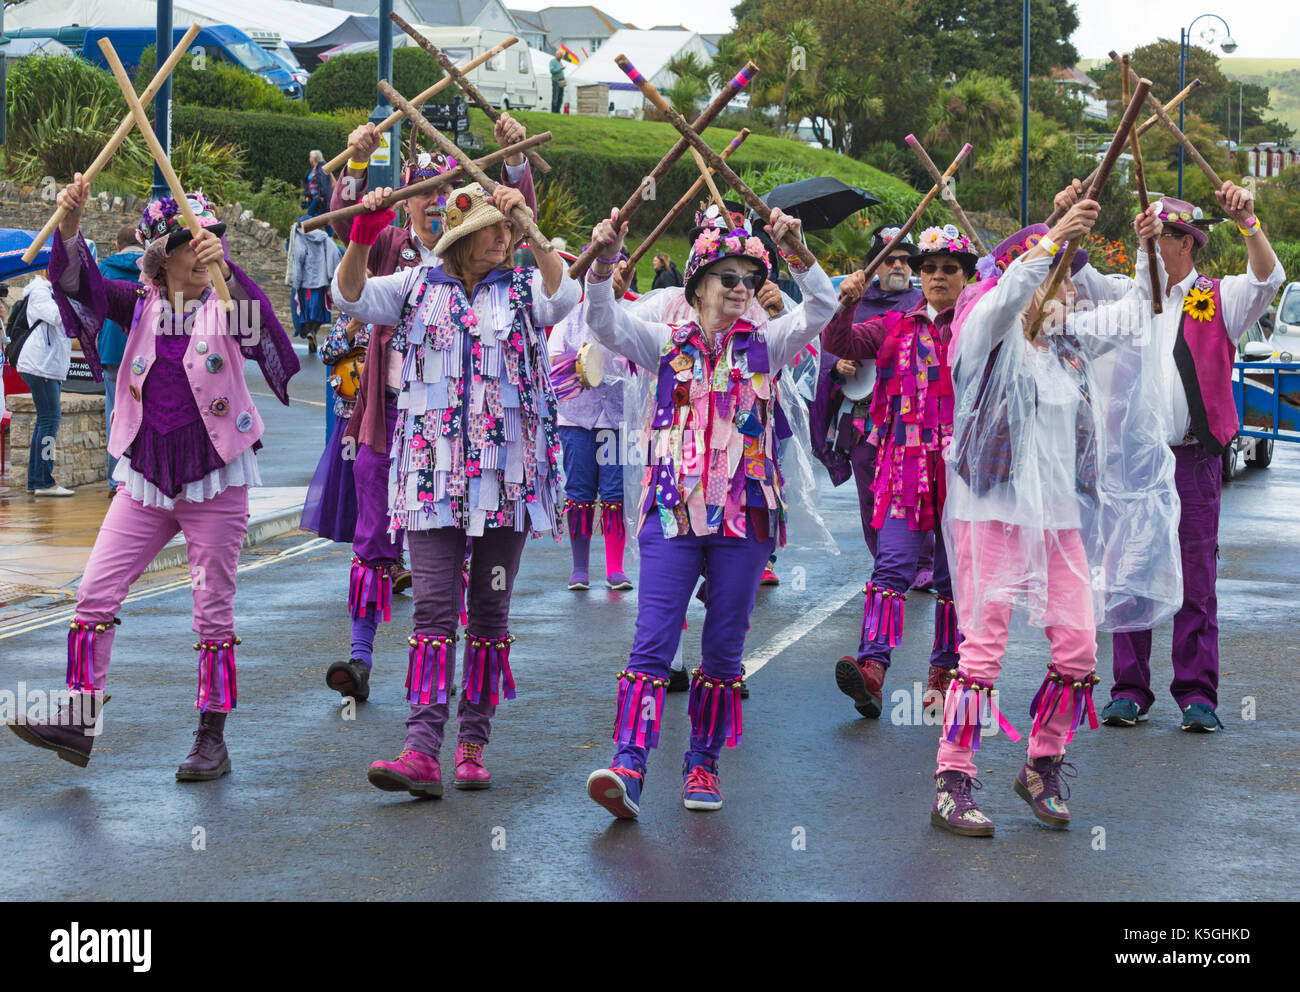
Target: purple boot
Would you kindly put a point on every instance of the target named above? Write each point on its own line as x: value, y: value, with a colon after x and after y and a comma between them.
x: 70, y: 733
x: 1041, y: 784
x: 208, y: 758
x: 955, y: 808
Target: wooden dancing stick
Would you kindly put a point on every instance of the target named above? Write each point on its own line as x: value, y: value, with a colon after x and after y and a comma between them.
x: 706, y: 174
x: 164, y: 164
x: 685, y: 201
x: 454, y: 72
x: 1183, y: 140
x: 422, y: 98
x: 1142, y: 129
x: 520, y: 215
x: 948, y: 196
x: 447, y: 179
x: 911, y: 222
x: 123, y: 129
x: 639, y: 197
x: 761, y: 209
x: 1117, y: 144
x: 1143, y: 200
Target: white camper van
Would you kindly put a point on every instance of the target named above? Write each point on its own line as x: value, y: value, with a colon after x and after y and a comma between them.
x: 506, y: 80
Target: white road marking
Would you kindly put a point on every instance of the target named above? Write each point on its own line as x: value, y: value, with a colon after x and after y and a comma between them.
x: 292, y: 399
x: 811, y: 620
x: 65, y: 615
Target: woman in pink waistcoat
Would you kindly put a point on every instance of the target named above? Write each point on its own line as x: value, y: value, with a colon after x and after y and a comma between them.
x: 185, y: 430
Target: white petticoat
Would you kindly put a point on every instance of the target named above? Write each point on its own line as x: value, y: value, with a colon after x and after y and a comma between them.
x: 241, y: 472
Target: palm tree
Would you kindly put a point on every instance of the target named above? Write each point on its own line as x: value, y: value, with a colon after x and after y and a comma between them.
x: 977, y: 108
x: 803, y: 49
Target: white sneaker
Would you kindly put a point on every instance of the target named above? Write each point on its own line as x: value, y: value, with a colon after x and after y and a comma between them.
x: 55, y: 490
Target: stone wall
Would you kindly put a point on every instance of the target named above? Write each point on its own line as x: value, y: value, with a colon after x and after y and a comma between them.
x: 254, y: 245
x: 80, y: 451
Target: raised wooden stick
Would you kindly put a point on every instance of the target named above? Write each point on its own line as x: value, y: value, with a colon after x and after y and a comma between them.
x: 640, y: 196
x: 1139, y: 176
x: 685, y: 201
x: 911, y: 222
x: 707, y: 175
x: 164, y: 164
x: 761, y: 209
x: 447, y: 179
x: 422, y: 98
x: 1093, y: 192
x: 1183, y: 140
x: 1142, y: 129
x: 946, y: 193
x: 453, y: 72
x: 520, y: 215
x: 123, y: 129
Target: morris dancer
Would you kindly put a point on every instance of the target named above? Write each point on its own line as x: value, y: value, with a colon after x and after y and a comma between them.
x: 713, y: 499
x: 377, y: 571
x: 911, y: 414
x: 841, y: 425
x: 1060, y: 498
x: 185, y: 430
x: 1197, y: 334
x: 474, y: 455
x: 591, y: 437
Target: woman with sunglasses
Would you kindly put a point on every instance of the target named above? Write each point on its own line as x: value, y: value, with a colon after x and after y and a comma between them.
x: 911, y: 410
x: 713, y: 497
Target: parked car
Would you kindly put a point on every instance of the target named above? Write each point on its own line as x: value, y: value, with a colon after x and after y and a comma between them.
x: 1286, y: 323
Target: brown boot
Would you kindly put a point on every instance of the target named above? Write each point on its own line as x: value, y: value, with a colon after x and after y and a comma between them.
x: 208, y: 758
x: 70, y: 733
x: 863, y: 683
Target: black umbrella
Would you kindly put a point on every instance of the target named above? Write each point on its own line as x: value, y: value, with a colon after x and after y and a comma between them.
x: 820, y: 203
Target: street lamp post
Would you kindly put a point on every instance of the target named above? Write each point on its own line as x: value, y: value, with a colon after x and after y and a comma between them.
x: 1024, y: 117
x: 1184, y: 43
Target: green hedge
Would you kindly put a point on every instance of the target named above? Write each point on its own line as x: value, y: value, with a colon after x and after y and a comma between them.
x: 218, y: 83
x: 275, y: 145
x: 347, y: 82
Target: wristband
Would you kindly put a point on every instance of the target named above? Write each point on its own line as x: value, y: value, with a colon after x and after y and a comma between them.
x: 367, y: 227
x: 361, y: 166
x: 1251, y: 230
x: 1048, y: 245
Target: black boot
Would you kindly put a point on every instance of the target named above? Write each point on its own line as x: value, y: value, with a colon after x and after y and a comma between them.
x: 208, y: 757
x: 70, y: 733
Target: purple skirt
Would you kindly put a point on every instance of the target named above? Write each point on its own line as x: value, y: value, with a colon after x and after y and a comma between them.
x: 331, y: 507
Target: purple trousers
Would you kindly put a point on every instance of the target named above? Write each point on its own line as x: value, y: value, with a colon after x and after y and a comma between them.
x: 863, y: 460
x: 437, y: 557
x: 371, y: 542
x: 899, y: 551
x: 1199, y: 479
x: 670, y: 569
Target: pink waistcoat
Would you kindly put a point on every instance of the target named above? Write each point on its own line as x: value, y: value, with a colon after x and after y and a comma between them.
x: 232, y: 425
x: 1208, y: 382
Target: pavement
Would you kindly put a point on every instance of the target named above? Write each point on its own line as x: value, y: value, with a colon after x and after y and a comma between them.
x: 820, y: 803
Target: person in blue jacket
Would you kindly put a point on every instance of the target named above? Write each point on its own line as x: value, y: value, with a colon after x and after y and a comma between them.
x: 124, y: 263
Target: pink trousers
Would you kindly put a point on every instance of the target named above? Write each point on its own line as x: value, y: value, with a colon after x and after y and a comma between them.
x: 984, y: 636
x: 130, y: 538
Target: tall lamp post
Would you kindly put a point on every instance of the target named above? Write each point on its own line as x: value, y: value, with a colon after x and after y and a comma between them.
x: 387, y: 173
x: 1024, y: 117
x: 1184, y: 43
x: 162, y: 104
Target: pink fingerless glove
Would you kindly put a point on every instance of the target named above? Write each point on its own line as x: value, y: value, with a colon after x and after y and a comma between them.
x: 366, y: 227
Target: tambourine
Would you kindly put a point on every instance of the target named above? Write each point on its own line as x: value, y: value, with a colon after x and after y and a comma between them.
x: 346, y: 379
x: 859, y: 385
x: 575, y: 371
x: 589, y: 366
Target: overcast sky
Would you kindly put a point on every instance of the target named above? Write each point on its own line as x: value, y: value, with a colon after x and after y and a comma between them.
x: 1262, y: 28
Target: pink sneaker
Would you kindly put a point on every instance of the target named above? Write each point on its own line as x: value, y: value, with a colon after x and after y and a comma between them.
x: 471, y: 773
x: 412, y: 771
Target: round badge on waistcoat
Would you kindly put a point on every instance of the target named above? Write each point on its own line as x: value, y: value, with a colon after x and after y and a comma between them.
x: 244, y: 423
x: 138, y: 365
x: 201, y: 347
x: 1204, y: 284
x: 214, y: 363
x: 219, y: 407
x: 408, y: 254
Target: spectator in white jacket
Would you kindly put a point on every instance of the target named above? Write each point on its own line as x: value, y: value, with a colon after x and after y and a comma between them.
x: 43, y: 364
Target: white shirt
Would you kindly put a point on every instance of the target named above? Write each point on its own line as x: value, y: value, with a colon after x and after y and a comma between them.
x: 47, y: 351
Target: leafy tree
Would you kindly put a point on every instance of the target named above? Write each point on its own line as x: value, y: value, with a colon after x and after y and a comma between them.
x: 987, y: 35
x: 978, y: 109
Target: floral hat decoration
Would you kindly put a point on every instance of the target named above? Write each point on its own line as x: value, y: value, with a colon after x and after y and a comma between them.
x: 946, y: 240
x: 713, y: 244
x: 709, y: 216
x: 1181, y: 216
x: 162, y: 229
x: 1020, y: 243
x: 467, y: 211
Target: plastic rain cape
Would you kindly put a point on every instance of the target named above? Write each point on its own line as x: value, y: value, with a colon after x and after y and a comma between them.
x: 1061, y: 493
x: 805, y: 527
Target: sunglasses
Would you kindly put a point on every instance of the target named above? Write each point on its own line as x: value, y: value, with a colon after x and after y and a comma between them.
x: 730, y: 280
x: 948, y: 270
x: 894, y: 260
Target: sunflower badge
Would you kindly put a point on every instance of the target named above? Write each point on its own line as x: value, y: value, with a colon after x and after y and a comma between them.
x: 1199, y: 304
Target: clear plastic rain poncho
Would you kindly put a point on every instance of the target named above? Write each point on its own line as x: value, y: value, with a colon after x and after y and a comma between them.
x: 1061, y: 491
x: 805, y: 526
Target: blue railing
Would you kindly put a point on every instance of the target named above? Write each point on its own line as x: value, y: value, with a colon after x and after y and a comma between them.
x: 1268, y: 393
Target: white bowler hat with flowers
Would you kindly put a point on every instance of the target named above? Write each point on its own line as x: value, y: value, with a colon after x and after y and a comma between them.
x: 467, y: 211
x: 713, y: 244
x: 946, y: 240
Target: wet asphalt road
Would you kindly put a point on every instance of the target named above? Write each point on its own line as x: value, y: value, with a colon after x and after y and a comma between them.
x: 820, y: 804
